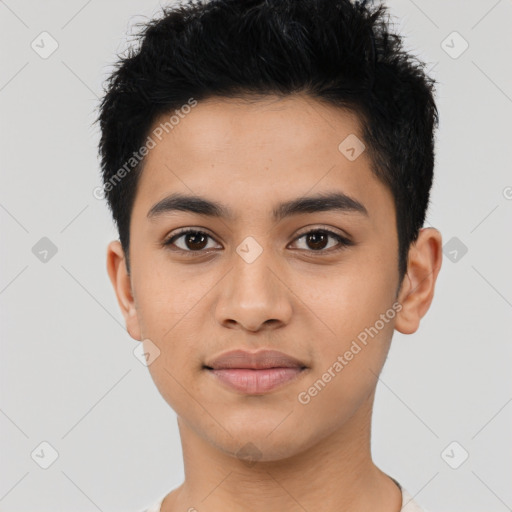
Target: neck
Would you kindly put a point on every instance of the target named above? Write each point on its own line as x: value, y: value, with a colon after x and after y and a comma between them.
x: 337, y: 472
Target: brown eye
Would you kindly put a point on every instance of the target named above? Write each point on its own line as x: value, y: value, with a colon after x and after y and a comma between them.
x: 317, y: 240
x: 195, y: 241
x: 189, y: 240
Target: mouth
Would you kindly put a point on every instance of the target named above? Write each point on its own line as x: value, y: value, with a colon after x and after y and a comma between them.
x: 255, y: 373
x: 255, y: 382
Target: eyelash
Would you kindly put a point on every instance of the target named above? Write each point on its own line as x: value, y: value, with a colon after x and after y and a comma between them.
x: 343, y: 242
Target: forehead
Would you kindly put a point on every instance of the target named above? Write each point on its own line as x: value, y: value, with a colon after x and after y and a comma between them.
x: 294, y: 125
x: 255, y: 152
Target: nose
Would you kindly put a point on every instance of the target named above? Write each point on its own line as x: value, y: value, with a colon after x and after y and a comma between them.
x: 253, y: 297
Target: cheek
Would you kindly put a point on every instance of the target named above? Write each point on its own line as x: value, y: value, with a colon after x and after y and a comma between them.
x: 166, y: 307
x: 348, y: 302
x: 165, y: 296
x: 178, y: 364
x: 357, y: 323
x: 348, y: 362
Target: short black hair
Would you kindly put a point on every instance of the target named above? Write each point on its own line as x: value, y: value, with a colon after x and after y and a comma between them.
x: 338, y: 52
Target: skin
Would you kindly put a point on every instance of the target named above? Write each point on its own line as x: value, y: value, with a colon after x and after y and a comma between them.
x: 306, y: 303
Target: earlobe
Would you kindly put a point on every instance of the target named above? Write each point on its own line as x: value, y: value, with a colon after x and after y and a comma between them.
x: 117, y: 271
x: 417, y: 291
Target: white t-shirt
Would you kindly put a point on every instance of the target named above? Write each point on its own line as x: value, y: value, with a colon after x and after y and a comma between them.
x: 408, y: 504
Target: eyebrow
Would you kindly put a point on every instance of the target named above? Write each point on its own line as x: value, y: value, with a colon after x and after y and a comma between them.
x: 333, y: 201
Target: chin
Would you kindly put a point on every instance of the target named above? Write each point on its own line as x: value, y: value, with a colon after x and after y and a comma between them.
x: 252, y: 445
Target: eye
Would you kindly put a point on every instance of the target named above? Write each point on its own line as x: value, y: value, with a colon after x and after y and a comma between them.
x: 193, y: 240
x: 317, y: 240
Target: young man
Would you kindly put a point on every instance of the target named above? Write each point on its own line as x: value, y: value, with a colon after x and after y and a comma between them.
x: 268, y: 164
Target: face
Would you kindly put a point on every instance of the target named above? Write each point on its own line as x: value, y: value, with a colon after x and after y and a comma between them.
x: 314, y: 280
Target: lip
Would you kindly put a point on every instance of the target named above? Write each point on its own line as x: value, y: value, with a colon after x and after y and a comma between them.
x: 255, y: 372
x: 259, y: 360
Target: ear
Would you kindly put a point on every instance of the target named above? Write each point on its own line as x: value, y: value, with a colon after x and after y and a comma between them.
x: 117, y: 271
x: 417, y: 290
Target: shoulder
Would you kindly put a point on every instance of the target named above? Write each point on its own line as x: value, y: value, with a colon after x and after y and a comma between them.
x: 409, y: 504
x: 155, y: 507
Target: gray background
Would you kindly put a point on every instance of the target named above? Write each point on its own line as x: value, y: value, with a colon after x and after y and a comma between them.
x: 67, y: 369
